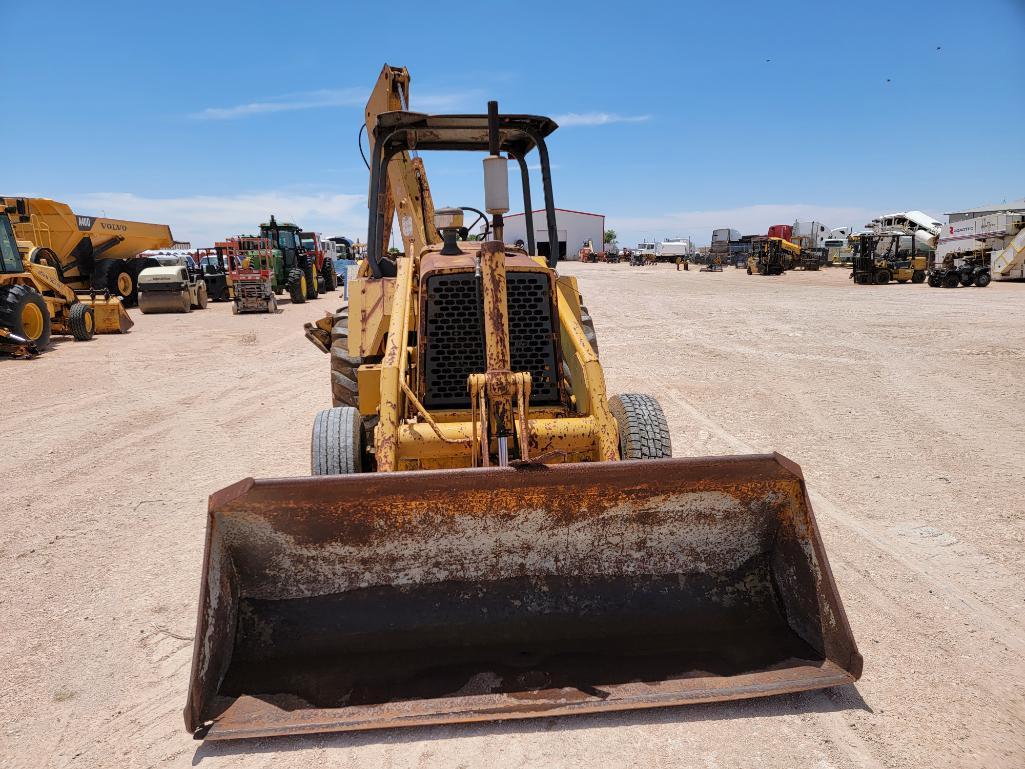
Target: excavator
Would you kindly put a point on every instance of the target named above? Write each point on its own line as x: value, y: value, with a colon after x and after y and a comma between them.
x: 485, y: 533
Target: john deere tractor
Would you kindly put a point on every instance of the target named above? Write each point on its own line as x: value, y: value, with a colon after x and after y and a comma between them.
x: 293, y: 269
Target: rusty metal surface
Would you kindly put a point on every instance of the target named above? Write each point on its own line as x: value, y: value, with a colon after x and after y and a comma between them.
x: 357, y: 602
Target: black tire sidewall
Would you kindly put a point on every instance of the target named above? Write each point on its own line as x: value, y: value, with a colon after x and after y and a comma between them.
x: 12, y: 303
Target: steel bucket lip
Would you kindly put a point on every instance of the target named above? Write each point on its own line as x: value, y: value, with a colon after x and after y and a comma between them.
x: 710, y: 472
x: 249, y: 716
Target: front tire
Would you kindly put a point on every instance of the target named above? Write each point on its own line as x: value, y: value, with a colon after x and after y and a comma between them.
x: 24, y: 312
x: 643, y: 429
x: 336, y: 444
x: 201, y: 296
x: 297, y: 286
x: 882, y: 277
x: 918, y: 276
x: 983, y: 279
x: 953, y: 280
x: 310, y: 273
x: 81, y: 322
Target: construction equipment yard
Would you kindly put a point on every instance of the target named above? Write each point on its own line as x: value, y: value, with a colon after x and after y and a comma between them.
x: 904, y: 413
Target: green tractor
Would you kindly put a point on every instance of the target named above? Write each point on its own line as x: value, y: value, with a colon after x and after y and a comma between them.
x: 293, y: 269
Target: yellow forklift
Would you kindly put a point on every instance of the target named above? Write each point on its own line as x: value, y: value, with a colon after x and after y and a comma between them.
x: 882, y: 257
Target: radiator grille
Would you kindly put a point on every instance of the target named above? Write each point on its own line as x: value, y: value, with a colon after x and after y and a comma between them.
x: 531, y: 337
x: 454, y: 343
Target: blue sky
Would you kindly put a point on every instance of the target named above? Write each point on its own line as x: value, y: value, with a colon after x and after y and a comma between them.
x: 677, y: 117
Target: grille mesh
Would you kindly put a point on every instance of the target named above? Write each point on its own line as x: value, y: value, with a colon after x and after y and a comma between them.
x: 454, y: 343
x: 531, y: 340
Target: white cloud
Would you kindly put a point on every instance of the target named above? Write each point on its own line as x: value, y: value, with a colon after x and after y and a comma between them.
x: 337, y: 97
x: 205, y: 219
x: 473, y: 100
x: 597, y: 118
x: 698, y: 225
x: 340, y: 97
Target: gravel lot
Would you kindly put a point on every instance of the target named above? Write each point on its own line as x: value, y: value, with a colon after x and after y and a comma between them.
x: 903, y: 405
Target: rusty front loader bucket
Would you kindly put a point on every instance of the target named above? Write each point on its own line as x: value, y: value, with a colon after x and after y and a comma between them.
x: 399, y: 599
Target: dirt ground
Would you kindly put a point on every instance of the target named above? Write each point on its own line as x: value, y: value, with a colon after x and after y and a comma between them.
x: 903, y: 404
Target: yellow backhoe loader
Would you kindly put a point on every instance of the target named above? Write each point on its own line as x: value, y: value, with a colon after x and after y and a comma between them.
x: 34, y: 303
x: 87, y: 252
x: 486, y: 534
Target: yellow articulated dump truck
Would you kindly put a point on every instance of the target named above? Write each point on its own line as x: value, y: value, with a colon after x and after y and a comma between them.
x: 34, y: 303
x: 88, y: 252
x: 486, y: 533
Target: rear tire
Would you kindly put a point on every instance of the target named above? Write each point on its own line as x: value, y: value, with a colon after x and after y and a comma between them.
x: 935, y: 281
x: 953, y: 280
x: 587, y: 322
x: 48, y: 258
x: 918, y: 276
x: 336, y: 444
x: 24, y: 312
x: 114, y: 275
x: 81, y: 322
x: 297, y: 286
x: 643, y: 429
x: 344, y: 388
x: 983, y: 279
x: 330, y: 278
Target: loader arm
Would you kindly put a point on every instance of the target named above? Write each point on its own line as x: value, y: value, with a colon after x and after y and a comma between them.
x: 406, y: 190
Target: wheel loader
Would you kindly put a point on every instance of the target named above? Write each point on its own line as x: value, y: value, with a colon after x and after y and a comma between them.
x: 34, y: 303
x: 486, y: 534
x: 88, y: 252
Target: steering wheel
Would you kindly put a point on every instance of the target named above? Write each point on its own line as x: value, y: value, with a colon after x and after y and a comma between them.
x: 480, y: 215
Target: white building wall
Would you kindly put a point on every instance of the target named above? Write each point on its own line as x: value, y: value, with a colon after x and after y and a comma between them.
x: 574, y: 228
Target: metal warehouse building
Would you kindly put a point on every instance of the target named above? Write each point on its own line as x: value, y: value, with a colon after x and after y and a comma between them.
x: 574, y: 227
